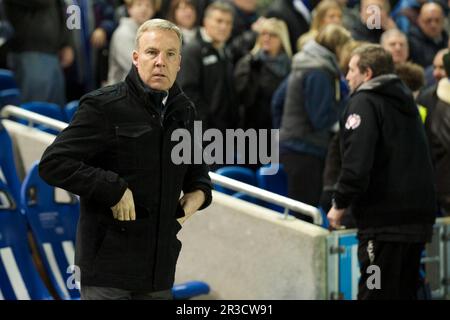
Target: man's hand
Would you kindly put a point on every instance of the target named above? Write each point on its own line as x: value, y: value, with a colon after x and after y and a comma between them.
x: 191, y: 202
x: 335, y: 216
x: 124, y: 209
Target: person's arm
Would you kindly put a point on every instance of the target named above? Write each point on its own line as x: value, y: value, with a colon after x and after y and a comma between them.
x: 68, y: 161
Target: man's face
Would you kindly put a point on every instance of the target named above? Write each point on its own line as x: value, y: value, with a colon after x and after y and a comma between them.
x: 438, y: 67
x: 158, y: 58
x: 354, y: 76
x: 141, y: 11
x: 218, y: 26
x: 431, y: 20
x: 398, y: 47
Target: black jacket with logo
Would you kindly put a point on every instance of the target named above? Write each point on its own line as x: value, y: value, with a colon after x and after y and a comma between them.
x: 386, y: 175
x: 118, y: 138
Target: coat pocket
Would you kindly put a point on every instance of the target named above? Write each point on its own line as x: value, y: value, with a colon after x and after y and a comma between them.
x: 126, y: 249
x: 131, y: 142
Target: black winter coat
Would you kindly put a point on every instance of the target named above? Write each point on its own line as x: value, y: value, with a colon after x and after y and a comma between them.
x: 422, y: 49
x: 386, y: 174
x: 118, y: 139
x: 255, y: 84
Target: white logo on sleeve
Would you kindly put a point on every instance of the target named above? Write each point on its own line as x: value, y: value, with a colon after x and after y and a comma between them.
x: 353, y: 121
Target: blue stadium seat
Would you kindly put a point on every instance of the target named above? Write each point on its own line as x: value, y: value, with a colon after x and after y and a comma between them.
x: 237, y: 173
x: 189, y: 290
x: 9, y: 96
x: 54, y: 227
x: 47, y: 109
x: 276, y: 183
x: 7, y: 80
x: 70, y: 109
x: 19, y: 279
x: 7, y: 165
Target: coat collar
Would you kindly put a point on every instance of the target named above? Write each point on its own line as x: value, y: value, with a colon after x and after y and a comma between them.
x: 143, y: 92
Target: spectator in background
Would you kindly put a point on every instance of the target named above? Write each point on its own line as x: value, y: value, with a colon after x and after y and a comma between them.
x: 296, y: 14
x: 429, y: 36
x: 40, y: 48
x: 183, y: 13
x: 365, y: 29
x: 90, y: 45
x: 440, y: 140
x: 349, y: 15
x: 123, y: 39
x: 246, y: 22
x: 206, y: 74
x: 395, y: 42
x: 326, y: 12
x: 428, y: 97
x: 312, y: 107
x: 244, y: 16
x: 258, y: 74
x: 413, y: 76
x: 436, y: 71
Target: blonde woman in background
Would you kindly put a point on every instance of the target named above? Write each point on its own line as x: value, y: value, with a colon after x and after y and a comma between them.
x: 258, y: 74
x: 326, y: 12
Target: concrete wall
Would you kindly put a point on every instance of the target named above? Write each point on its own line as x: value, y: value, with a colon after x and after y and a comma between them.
x: 244, y: 251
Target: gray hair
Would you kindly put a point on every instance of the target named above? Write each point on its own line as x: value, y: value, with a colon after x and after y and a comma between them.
x: 219, y: 6
x: 158, y: 24
x: 390, y: 33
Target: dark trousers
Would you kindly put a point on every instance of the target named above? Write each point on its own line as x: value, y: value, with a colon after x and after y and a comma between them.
x: 104, y: 293
x: 304, y: 174
x: 398, y: 263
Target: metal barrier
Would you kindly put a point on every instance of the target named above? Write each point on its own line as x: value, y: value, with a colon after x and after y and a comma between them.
x: 286, y: 203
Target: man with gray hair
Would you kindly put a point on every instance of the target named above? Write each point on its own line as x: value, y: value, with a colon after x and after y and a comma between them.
x: 116, y: 155
x: 386, y: 177
x: 395, y: 42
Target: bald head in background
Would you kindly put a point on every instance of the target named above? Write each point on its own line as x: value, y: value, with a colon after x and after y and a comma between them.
x: 431, y: 20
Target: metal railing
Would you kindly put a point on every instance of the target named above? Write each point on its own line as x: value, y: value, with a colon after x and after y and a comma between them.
x: 286, y: 203
x: 261, y: 194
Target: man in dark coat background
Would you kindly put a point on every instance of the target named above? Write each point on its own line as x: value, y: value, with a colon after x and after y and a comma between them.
x: 386, y: 177
x: 116, y: 155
